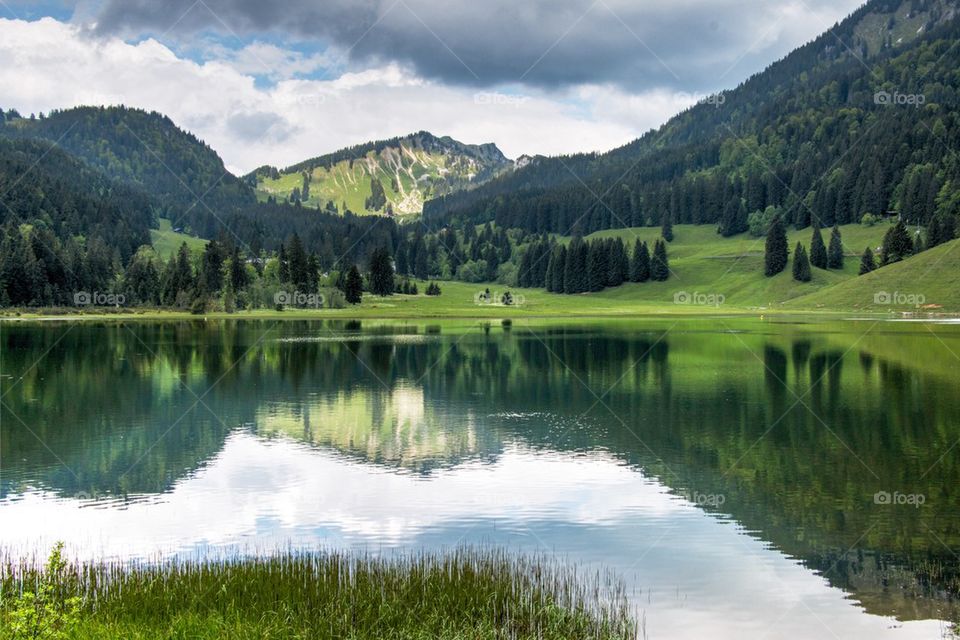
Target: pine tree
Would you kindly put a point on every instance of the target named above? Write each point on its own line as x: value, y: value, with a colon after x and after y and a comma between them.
x: 239, y: 278
x: 801, y: 264
x: 381, y: 273
x: 835, y: 254
x: 575, y: 277
x: 734, y: 218
x: 403, y: 254
x: 659, y: 264
x: 640, y: 266
x: 283, y: 269
x: 897, y: 245
x: 523, y: 278
x: 211, y: 269
x: 666, y: 227
x: 419, y: 262
x: 777, y: 252
x: 818, y: 251
x: 560, y: 257
x: 313, y: 273
x: 618, y: 266
x: 558, y: 265
x: 596, y: 266
x: 178, y: 278
x: 298, y: 267
x: 867, y: 262
x: 353, y: 285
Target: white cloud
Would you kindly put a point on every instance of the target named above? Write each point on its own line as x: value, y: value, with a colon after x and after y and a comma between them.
x: 52, y: 65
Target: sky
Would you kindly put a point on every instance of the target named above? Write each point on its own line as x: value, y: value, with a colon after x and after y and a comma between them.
x: 275, y: 83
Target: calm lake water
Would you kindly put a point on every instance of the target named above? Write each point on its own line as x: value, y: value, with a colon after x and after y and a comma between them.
x: 747, y: 478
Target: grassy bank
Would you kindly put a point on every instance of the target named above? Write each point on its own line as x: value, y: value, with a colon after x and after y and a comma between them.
x: 462, y: 594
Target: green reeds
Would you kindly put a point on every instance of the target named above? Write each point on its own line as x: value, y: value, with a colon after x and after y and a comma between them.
x: 464, y: 593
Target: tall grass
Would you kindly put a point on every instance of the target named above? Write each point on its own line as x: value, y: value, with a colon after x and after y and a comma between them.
x: 461, y: 594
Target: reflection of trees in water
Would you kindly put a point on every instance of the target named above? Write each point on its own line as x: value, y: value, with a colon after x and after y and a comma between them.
x: 697, y: 412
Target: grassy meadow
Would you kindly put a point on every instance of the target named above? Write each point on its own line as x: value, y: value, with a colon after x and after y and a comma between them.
x: 166, y: 242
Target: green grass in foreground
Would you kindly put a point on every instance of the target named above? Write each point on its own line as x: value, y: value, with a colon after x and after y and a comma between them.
x: 461, y: 594
x: 166, y: 242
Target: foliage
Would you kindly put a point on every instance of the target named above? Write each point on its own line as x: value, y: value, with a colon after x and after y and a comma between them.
x: 353, y: 287
x: 49, y: 612
x: 380, y: 277
x: 818, y: 250
x: 868, y: 262
x: 776, y: 255
x: 659, y: 264
x: 758, y: 222
x: 835, y: 253
x: 801, y: 264
x: 897, y: 244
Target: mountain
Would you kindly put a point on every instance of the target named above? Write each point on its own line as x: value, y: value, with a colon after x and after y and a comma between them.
x: 47, y: 189
x: 82, y: 190
x: 392, y: 177
x: 64, y: 226
x: 148, y: 151
x: 860, y: 120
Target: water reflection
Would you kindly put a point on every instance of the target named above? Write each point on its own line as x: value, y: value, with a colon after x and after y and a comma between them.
x: 697, y: 458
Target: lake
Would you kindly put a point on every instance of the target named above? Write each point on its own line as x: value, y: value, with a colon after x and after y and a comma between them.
x: 763, y: 477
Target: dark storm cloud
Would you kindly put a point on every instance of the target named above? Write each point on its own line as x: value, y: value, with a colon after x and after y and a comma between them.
x: 685, y: 44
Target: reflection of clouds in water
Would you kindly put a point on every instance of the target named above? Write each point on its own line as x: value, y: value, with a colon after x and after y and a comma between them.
x: 257, y: 489
x: 696, y: 576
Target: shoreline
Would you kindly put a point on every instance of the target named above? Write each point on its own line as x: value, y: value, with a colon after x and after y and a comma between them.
x: 493, y: 313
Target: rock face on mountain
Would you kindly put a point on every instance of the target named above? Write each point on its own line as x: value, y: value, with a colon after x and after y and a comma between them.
x: 388, y: 177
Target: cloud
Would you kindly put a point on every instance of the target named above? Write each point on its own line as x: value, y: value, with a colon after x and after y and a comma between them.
x: 679, y: 44
x: 52, y: 65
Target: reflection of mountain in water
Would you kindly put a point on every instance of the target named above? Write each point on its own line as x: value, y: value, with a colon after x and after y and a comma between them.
x: 796, y: 431
x: 397, y: 429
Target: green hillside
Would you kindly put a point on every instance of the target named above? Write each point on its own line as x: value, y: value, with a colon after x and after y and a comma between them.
x: 405, y: 172
x: 166, y: 241
x: 703, y: 262
x: 930, y: 280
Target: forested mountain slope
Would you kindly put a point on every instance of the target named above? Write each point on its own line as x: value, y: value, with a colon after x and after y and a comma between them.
x: 147, y: 150
x: 861, y: 120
